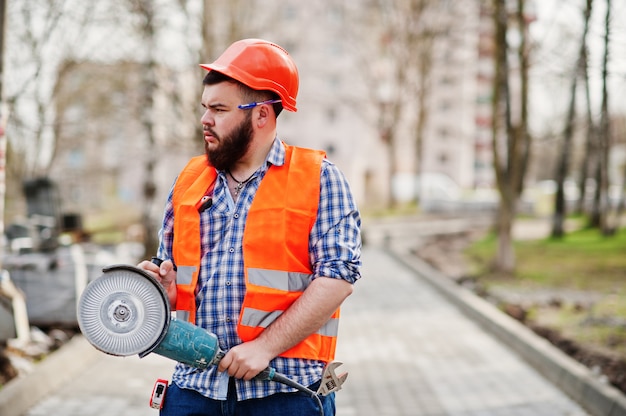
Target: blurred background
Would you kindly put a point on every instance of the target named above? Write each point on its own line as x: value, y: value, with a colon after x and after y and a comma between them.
x: 431, y: 107
x: 102, y: 98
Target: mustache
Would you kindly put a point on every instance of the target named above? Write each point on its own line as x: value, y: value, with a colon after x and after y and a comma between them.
x: 209, y: 130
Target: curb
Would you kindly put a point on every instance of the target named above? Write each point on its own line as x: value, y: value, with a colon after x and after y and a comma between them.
x: 573, y: 378
x: 22, y: 393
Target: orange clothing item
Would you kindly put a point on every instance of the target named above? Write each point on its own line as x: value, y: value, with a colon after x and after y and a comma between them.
x: 192, y: 184
x: 275, y: 245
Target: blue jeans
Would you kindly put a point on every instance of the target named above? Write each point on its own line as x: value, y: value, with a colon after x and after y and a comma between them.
x: 184, y: 402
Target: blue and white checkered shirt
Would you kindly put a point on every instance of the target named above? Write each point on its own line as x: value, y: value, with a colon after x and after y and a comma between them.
x: 334, y: 247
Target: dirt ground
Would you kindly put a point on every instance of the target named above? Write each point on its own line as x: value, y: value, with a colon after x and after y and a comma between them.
x: 446, y: 254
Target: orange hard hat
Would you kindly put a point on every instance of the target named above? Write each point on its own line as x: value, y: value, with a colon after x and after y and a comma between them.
x: 261, y: 65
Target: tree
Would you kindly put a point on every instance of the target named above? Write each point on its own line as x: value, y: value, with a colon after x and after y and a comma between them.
x: 3, y: 139
x: 590, y: 140
x: 601, y: 206
x: 402, y: 36
x: 146, y: 26
x: 39, y: 37
x: 621, y: 204
x: 511, y: 140
x: 566, y: 148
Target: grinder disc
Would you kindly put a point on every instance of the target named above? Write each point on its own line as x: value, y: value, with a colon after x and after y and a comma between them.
x: 123, y: 312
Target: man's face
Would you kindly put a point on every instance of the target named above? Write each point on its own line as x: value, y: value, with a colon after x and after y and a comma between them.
x: 227, y: 129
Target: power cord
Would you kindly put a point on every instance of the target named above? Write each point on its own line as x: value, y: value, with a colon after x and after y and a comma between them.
x: 271, y: 374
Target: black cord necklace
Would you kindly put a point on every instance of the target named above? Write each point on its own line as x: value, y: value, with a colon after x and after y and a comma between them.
x: 240, y: 184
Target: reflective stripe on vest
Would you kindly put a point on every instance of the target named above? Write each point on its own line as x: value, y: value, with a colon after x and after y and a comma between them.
x: 263, y: 319
x: 277, y: 279
x: 286, y: 282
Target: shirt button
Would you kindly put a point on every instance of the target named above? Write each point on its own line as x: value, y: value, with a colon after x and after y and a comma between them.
x: 231, y: 250
x: 228, y: 319
x: 227, y: 283
x: 236, y: 216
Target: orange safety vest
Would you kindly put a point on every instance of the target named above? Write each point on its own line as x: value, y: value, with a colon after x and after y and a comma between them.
x: 275, y: 246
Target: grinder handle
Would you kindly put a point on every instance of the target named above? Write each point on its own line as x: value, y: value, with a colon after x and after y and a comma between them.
x: 268, y: 374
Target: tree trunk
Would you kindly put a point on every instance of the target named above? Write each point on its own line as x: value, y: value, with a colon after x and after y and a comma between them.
x: 590, y: 147
x: 145, y: 11
x: 621, y: 206
x: 3, y: 140
x: 425, y: 69
x: 603, y: 176
x: 511, y: 143
x: 205, y: 52
x: 560, y: 209
x: 521, y: 155
x: 596, y: 209
x: 505, y: 261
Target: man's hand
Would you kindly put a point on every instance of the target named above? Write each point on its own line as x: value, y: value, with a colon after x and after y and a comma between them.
x: 164, y: 274
x: 245, y: 361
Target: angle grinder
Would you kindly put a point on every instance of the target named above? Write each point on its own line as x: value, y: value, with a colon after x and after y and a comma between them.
x: 126, y: 311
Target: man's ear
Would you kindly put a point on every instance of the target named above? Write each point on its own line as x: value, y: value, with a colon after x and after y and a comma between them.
x: 263, y: 116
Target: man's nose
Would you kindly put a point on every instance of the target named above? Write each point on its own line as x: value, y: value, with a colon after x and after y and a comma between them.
x: 206, y: 118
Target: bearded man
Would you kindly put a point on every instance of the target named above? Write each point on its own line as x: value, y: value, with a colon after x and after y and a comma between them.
x: 261, y: 245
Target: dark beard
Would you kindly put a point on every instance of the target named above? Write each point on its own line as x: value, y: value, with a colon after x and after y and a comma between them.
x: 231, y: 147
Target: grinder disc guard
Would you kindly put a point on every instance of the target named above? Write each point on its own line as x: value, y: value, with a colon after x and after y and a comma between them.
x: 124, y: 312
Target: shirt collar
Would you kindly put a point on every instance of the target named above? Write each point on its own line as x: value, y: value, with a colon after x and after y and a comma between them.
x: 276, y: 156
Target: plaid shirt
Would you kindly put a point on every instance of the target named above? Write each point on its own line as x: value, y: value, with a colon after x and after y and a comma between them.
x: 334, y: 247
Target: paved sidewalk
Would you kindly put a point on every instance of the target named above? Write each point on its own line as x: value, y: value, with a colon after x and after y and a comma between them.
x: 411, y: 352
x: 408, y: 350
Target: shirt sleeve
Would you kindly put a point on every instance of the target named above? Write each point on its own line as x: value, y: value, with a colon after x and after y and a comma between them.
x: 335, y: 239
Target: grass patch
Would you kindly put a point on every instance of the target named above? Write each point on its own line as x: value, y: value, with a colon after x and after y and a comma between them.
x: 582, y: 259
x: 582, y: 262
